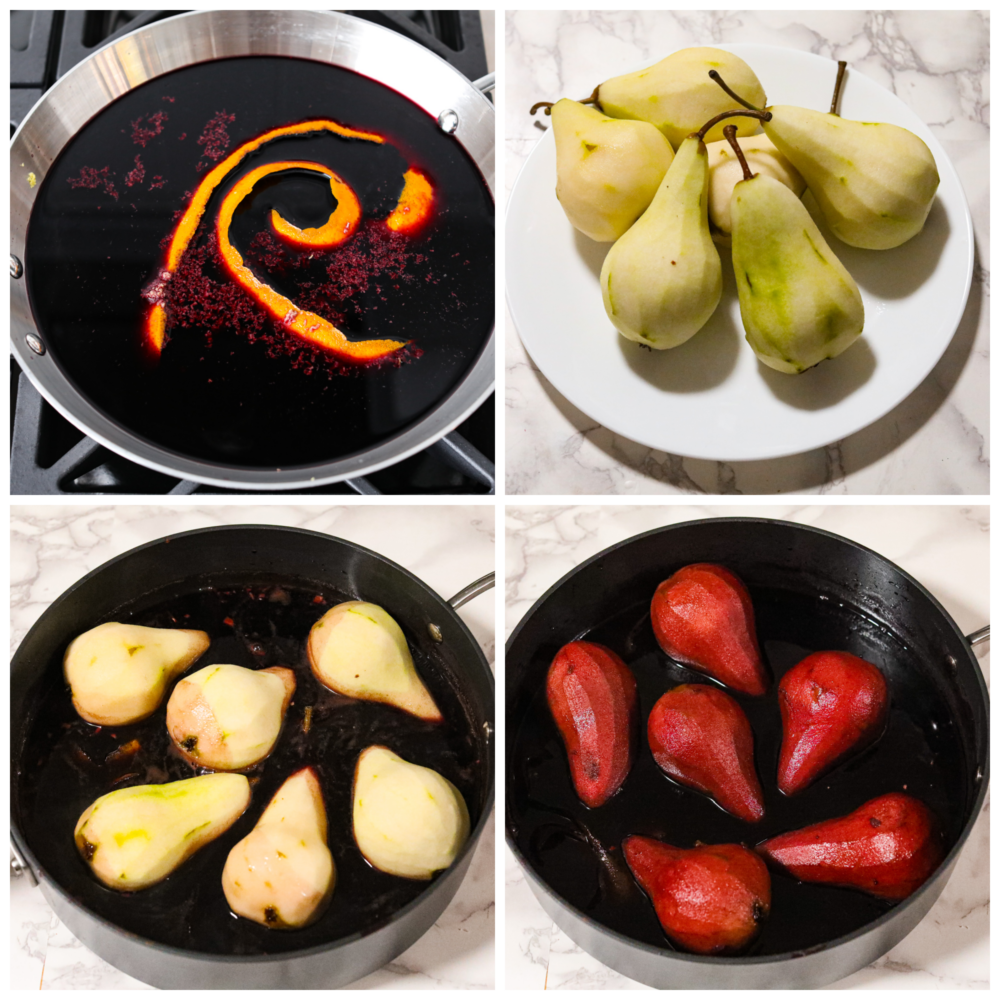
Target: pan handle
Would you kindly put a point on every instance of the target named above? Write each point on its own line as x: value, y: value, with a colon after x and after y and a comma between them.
x: 18, y: 865
x: 978, y: 637
x: 466, y: 594
x: 485, y: 83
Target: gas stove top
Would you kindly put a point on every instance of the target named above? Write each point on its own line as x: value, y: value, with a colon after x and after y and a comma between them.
x: 50, y: 456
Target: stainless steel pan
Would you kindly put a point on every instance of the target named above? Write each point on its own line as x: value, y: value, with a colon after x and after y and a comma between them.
x: 459, y: 106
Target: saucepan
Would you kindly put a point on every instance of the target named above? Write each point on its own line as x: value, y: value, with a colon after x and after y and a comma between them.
x: 111, y: 157
x: 255, y: 590
x: 811, y: 590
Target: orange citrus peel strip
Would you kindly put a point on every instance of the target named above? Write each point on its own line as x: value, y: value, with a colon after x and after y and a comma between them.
x: 307, y: 325
x: 336, y: 229
x: 414, y: 205
x: 183, y: 234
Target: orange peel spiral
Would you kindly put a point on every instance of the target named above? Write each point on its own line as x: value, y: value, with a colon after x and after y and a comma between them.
x: 413, y: 208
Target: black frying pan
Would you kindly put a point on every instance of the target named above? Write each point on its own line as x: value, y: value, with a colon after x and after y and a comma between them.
x: 811, y: 590
x: 256, y: 591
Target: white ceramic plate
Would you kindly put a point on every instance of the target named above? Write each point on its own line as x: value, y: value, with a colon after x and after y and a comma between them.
x: 710, y: 398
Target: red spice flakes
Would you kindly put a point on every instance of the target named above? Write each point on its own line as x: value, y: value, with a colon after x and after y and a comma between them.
x: 215, y: 138
x: 319, y: 599
x: 142, y: 133
x: 182, y: 136
x: 91, y: 177
x: 170, y: 99
x: 158, y: 182
x: 137, y: 174
x: 227, y: 621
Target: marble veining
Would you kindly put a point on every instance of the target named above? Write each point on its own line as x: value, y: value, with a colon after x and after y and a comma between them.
x: 936, y: 440
x: 945, y: 548
x: 446, y: 546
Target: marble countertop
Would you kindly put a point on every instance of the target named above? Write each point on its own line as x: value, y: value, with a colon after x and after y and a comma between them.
x: 945, y: 548
x: 935, y: 441
x: 446, y: 546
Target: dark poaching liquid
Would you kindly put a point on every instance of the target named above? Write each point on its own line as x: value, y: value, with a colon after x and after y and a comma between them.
x: 68, y: 765
x: 577, y: 850
x: 231, y: 385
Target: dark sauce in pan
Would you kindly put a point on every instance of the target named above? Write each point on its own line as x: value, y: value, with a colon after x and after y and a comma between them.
x: 577, y: 850
x: 69, y: 763
x: 231, y: 385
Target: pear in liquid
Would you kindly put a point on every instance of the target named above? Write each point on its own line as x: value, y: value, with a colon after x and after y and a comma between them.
x: 607, y: 171
x: 133, y: 838
x: 282, y: 874
x: 358, y: 650
x: 408, y: 819
x: 662, y: 280
x: 676, y: 93
x: 228, y: 718
x: 725, y: 172
x: 118, y: 673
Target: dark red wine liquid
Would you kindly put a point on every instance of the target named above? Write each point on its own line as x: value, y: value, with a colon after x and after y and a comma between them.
x: 231, y: 384
x: 577, y: 850
x: 69, y: 763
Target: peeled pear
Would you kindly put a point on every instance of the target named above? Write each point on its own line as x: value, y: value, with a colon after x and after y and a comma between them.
x: 607, y: 171
x: 874, y: 182
x: 678, y: 96
x: 662, y: 280
x: 725, y: 172
x: 228, y: 718
x: 133, y: 838
x: 358, y: 650
x: 118, y: 673
x: 408, y: 819
x: 798, y: 302
x: 282, y: 874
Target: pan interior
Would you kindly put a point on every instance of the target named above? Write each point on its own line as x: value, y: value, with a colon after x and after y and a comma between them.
x: 232, y: 386
x: 66, y: 767
x: 577, y: 851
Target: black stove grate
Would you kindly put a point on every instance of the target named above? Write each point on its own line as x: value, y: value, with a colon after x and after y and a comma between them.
x: 49, y: 456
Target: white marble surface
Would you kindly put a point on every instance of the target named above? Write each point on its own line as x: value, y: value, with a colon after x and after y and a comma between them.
x: 446, y: 546
x: 945, y: 548
x: 935, y: 441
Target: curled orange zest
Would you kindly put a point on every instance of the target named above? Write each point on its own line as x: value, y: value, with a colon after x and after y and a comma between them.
x: 184, y: 233
x: 307, y: 325
x: 414, y: 204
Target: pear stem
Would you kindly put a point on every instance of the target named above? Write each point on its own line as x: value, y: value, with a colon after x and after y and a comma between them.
x: 764, y: 116
x: 714, y: 74
x: 841, y: 66
x: 730, y: 133
x: 542, y: 104
x: 593, y: 99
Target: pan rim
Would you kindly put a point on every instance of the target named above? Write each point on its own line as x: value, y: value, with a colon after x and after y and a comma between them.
x: 474, y: 385
x: 782, y: 957
x: 468, y: 848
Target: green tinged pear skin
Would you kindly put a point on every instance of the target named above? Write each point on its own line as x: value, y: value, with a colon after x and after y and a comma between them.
x: 725, y: 172
x: 662, y: 280
x: 678, y: 96
x: 119, y: 673
x: 607, y: 171
x: 874, y: 182
x: 228, y: 718
x: 358, y: 650
x: 282, y: 874
x: 798, y: 302
x: 408, y: 820
x: 133, y: 838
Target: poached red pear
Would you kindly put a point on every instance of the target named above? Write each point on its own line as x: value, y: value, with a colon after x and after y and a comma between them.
x: 701, y: 737
x: 703, y: 617
x: 832, y: 705
x: 710, y: 899
x: 888, y: 848
x: 593, y: 699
